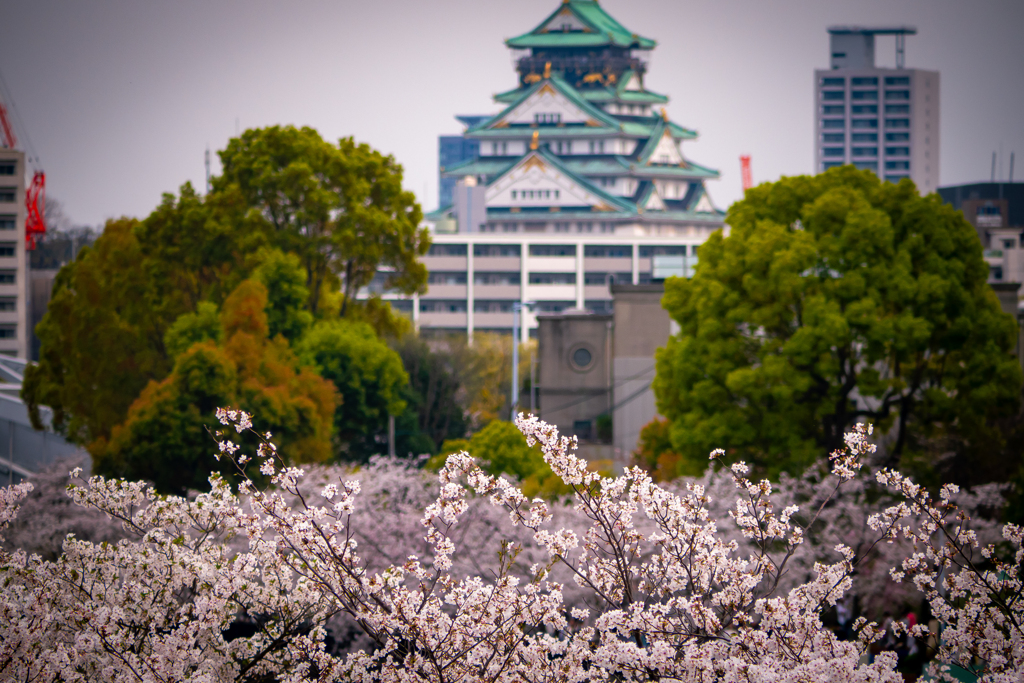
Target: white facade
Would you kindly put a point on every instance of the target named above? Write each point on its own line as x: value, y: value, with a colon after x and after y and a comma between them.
x: 14, y: 276
x: 476, y: 277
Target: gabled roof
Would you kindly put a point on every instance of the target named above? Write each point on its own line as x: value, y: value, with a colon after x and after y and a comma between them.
x: 547, y: 163
x: 590, y: 26
x: 553, y: 84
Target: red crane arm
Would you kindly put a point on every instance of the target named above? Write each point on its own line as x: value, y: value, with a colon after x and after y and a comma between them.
x: 35, y: 203
x: 6, y: 131
x: 748, y: 180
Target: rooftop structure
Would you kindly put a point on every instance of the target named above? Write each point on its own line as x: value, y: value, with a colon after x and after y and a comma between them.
x: 578, y: 182
x: 996, y: 210
x: 884, y: 120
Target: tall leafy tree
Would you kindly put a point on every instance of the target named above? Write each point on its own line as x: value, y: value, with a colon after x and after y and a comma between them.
x: 341, y: 208
x: 166, y: 437
x: 835, y: 299
x: 102, y: 338
x: 368, y: 375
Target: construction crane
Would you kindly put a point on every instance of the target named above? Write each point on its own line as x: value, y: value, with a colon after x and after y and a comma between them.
x: 35, y: 195
x: 748, y: 180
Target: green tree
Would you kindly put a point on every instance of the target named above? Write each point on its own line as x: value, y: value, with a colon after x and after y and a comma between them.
x: 166, y: 437
x: 284, y: 278
x: 835, y: 298
x: 102, y: 338
x: 341, y: 208
x: 435, y: 396
x: 368, y: 375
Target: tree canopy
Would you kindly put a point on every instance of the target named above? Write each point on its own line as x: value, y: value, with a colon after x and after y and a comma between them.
x: 341, y: 208
x: 834, y: 299
x: 167, y: 438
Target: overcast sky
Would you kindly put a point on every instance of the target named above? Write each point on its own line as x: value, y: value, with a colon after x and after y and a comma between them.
x: 120, y: 98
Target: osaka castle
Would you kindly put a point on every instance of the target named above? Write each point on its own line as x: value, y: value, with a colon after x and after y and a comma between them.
x: 579, y: 181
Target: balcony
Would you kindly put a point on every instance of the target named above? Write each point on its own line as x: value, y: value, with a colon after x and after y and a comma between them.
x: 496, y: 291
x: 496, y: 263
x: 443, y: 319
x: 445, y: 262
x: 445, y: 292
x: 551, y: 292
x: 552, y: 264
x: 483, y: 320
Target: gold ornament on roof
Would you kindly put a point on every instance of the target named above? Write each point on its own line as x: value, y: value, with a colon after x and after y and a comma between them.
x: 536, y: 137
x: 664, y: 115
x: 593, y: 78
x: 547, y: 70
x: 531, y: 78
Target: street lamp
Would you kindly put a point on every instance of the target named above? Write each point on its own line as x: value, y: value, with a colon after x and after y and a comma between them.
x: 517, y: 308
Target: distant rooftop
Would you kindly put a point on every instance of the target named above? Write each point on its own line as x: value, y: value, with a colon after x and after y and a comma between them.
x: 853, y: 47
x: 874, y: 30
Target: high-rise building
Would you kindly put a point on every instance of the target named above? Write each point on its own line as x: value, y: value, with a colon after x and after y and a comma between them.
x: 451, y: 151
x: 14, y: 301
x: 885, y: 120
x: 579, y: 181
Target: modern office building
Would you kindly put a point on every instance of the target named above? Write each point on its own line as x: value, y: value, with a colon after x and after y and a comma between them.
x: 451, y: 151
x: 14, y: 280
x: 579, y: 182
x: 885, y: 120
x: 996, y: 210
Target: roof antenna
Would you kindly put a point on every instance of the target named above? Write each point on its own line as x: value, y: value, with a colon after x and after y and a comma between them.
x: 207, y: 169
x: 1011, y: 167
x: 993, y: 167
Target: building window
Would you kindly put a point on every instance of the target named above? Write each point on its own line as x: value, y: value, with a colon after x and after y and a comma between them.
x: 511, y: 278
x: 1009, y: 244
x: 496, y: 250
x: 552, y: 250
x: 897, y: 80
x: 995, y: 273
x: 7, y: 194
x: 833, y: 95
x: 864, y: 123
x: 582, y: 358
x: 552, y: 278
x: 865, y: 151
x: 437, y: 277
x: 894, y: 178
x: 7, y: 167
x: 897, y: 123
x: 545, y: 119
x: 897, y: 165
x: 833, y: 109
x: 833, y: 123
x: 663, y: 250
x: 897, y: 109
x: 864, y: 137
x: 869, y: 165
x: 897, y: 95
x: 8, y: 331
x: 831, y: 164
x: 864, y: 95
x: 864, y: 109
x: 897, y: 151
x: 7, y: 222
x: 834, y: 137
x: 7, y: 277
x: 832, y: 152
x: 561, y: 227
x: 442, y: 306
x: 864, y: 80
x: 8, y: 303
x: 509, y: 227
x: 597, y: 146
x: 607, y: 227
x: 447, y: 250
x: 602, y: 251
x: 833, y: 81
x: 897, y: 137
x: 7, y: 249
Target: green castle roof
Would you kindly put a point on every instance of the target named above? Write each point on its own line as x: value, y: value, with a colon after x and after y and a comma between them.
x: 600, y: 30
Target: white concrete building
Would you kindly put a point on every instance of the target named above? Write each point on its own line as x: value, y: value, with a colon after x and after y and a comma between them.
x: 884, y: 120
x: 14, y: 300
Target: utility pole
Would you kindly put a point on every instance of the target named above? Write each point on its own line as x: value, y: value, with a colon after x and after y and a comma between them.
x: 517, y: 309
x: 207, y: 169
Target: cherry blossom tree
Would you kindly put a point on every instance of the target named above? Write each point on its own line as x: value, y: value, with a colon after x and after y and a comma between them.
x: 634, y: 582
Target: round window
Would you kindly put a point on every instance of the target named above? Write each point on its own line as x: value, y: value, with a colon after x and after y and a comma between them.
x: 581, y: 357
